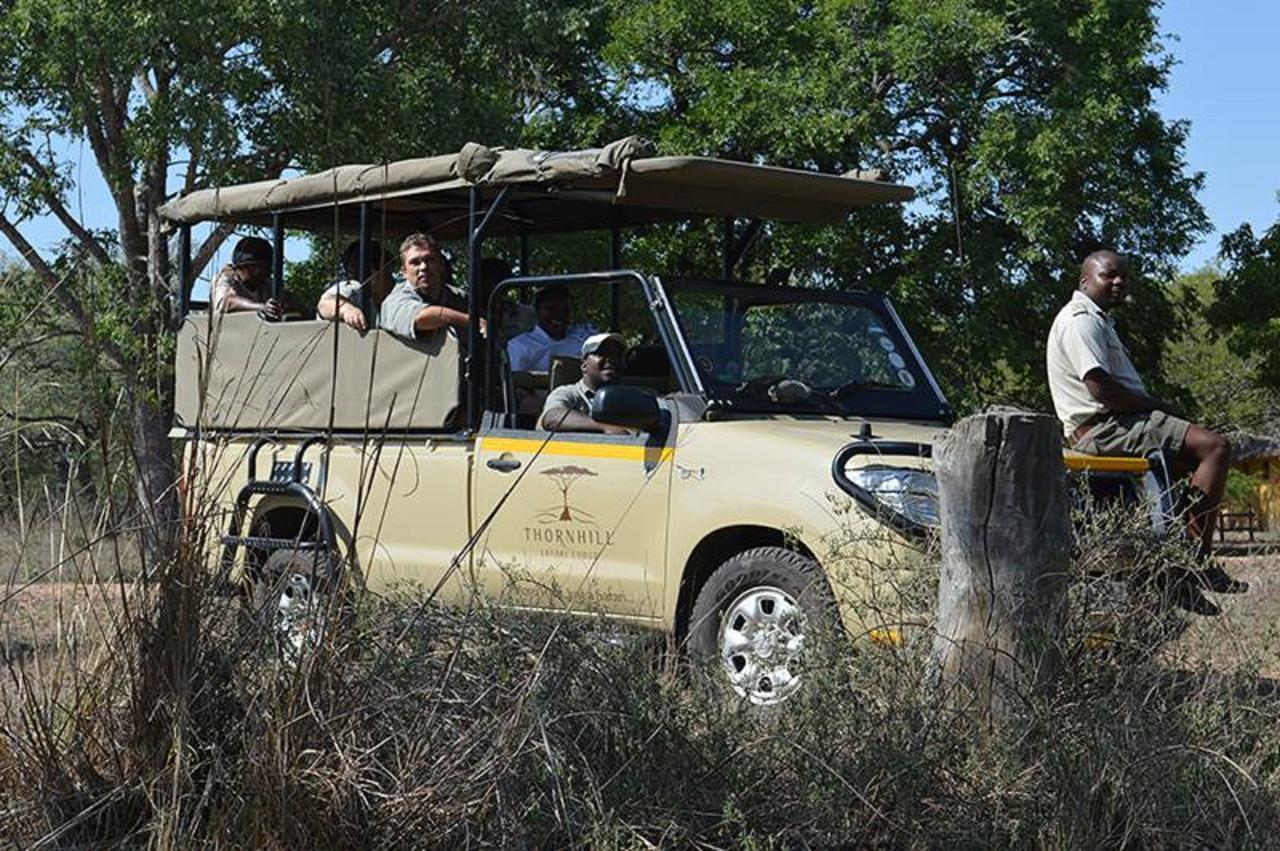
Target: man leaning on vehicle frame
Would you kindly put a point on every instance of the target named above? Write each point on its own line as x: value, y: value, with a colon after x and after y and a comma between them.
x: 1105, y: 410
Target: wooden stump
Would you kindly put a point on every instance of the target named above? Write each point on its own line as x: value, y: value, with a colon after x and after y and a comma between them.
x: 1006, y: 542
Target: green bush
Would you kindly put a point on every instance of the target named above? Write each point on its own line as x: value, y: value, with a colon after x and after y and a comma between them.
x: 1242, y: 490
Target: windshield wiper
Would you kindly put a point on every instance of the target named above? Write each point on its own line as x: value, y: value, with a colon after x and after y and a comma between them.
x: 861, y: 384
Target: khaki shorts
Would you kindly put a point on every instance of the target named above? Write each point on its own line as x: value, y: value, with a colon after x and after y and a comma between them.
x: 1134, y: 434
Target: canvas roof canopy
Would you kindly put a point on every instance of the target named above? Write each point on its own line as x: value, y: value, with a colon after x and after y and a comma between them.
x: 620, y: 184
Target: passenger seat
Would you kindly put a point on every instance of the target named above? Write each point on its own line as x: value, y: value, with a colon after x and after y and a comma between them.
x: 564, y: 370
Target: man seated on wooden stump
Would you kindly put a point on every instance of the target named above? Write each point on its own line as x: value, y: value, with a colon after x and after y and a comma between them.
x: 1105, y: 409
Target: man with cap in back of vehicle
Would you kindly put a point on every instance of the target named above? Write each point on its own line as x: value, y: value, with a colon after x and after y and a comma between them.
x: 1105, y: 408
x: 568, y: 407
x: 245, y: 283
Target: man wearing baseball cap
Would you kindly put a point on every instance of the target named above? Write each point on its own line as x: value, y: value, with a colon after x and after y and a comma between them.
x: 245, y: 283
x: 568, y: 408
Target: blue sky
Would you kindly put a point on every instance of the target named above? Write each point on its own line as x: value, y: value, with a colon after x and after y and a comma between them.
x: 1225, y: 83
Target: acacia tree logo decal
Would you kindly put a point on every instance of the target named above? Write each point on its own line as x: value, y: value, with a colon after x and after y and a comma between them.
x: 564, y: 477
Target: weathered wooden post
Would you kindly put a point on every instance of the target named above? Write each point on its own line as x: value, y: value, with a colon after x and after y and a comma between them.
x: 1006, y: 543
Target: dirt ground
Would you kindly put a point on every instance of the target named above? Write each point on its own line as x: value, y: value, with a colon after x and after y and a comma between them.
x: 54, y: 615
x: 1248, y: 630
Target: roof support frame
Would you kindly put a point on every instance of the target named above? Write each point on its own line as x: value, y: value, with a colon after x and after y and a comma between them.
x: 363, y: 271
x: 277, y: 254
x: 615, y: 262
x: 473, y: 376
x: 184, y: 271
x: 727, y: 226
x: 745, y: 240
x: 736, y: 245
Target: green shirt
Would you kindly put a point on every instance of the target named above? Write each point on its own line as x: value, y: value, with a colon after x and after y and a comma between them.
x: 575, y: 397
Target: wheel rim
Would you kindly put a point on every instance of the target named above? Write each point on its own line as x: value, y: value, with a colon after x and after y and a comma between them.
x: 298, y: 612
x: 762, y: 639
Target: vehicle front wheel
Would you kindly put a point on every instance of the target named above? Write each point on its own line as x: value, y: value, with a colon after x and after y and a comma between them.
x: 296, y: 597
x: 756, y: 617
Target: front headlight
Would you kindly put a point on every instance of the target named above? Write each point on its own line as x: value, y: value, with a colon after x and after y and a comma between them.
x: 911, y: 493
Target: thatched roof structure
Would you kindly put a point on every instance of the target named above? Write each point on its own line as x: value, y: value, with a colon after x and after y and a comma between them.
x: 1248, y: 446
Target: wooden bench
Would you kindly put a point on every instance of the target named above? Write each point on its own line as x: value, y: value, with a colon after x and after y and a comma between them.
x: 1250, y: 525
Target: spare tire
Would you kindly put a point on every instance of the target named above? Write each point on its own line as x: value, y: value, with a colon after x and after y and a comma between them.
x: 296, y: 596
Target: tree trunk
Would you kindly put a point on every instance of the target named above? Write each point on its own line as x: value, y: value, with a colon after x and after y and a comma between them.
x: 1006, y: 543
x: 155, y: 483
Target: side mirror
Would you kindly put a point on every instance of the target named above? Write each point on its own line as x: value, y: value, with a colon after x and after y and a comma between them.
x: 625, y: 406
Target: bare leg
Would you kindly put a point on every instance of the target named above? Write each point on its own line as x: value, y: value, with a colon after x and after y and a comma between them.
x: 1213, y: 456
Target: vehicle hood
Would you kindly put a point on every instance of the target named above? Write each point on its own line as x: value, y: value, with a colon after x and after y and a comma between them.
x: 819, y: 435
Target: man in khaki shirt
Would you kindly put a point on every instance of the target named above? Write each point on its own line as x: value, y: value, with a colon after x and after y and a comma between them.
x: 568, y: 408
x: 423, y: 302
x: 1105, y: 408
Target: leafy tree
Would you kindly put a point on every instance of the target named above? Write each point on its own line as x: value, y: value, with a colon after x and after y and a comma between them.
x: 56, y: 404
x: 1248, y: 298
x: 181, y: 96
x: 1028, y: 127
x: 1219, y: 373
x: 176, y: 97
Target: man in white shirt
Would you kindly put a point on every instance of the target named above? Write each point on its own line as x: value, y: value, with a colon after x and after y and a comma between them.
x: 1105, y: 408
x: 552, y: 336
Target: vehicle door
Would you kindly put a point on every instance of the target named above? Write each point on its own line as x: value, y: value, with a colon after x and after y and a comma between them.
x: 578, y: 521
x: 574, y: 521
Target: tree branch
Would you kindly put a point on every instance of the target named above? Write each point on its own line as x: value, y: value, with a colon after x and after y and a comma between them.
x: 59, y: 210
x: 12, y: 349
x: 119, y: 177
x: 144, y: 83
x: 54, y: 286
x: 209, y: 247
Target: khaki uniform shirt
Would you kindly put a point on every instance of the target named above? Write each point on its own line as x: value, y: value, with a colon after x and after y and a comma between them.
x: 1083, y: 338
x: 575, y: 397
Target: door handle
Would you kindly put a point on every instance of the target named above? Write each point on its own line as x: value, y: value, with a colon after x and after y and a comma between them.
x: 503, y: 465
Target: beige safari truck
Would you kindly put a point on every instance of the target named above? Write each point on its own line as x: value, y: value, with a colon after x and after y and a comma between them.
x: 778, y: 465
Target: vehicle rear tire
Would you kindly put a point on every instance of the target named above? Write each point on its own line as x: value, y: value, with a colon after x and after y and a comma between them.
x: 756, y: 617
x: 297, y: 596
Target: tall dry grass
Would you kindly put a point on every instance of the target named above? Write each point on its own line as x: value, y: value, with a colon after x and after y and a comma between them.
x: 419, y: 726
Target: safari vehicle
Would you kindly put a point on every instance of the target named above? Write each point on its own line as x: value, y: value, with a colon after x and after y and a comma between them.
x: 780, y: 457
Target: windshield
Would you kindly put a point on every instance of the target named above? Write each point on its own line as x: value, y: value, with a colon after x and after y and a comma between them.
x: 773, y: 349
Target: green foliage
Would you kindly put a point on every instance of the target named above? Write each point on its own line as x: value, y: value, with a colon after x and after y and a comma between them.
x: 1248, y: 298
x: 58, y: 426
x: 1029, y: 129
x: 1217, y: 369
x: 211, y: 93
x: 1242, y: 490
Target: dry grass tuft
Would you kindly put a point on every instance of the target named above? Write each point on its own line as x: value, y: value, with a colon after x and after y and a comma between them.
x: 418, y: 726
